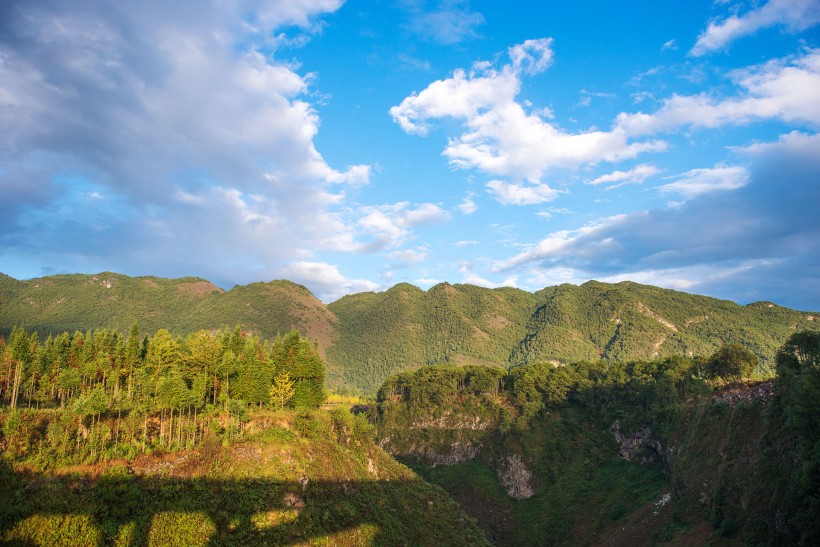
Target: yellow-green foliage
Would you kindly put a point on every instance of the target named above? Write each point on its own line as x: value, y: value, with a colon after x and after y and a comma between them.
x: 56, y: 530
x: 323, y: 482
x: 180, y: 528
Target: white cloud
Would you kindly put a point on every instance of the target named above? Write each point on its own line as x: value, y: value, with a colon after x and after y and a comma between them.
x: 794, y: 15
x: 468, y: 206
x: 794, y: 141
x: 425, y: 213
x: 587, y: 96
x: 635, y: 175
x: 202, y: 138
x: 531, y: 56
x: 540, y: 277
x: 520, y: 194
x: 407, y: 257
x: 669, y: 45
x: 471, y: 278
x: 701, y: 181
x: 556, y: 243
x: 784, y: 89
x: 388, y: 226
x: 758, y: 241
x: 326, y: 280
x: 499, y: 136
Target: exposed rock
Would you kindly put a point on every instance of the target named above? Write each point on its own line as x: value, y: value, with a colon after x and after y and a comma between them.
x: 736, y: 394
x: 641, y: 446
x: 451, y: 420
x: 515, y: 477
x: 294, y: 501
x: 452, y: 454
x: 649, y: 313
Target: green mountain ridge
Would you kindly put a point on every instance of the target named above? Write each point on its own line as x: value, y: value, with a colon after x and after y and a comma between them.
x: 366, y: 337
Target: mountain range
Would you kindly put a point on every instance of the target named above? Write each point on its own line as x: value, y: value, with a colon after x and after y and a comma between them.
x: 366, y: 337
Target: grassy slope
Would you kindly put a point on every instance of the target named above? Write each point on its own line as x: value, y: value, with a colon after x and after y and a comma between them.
x: 296, y: 482
x: 368, y: 336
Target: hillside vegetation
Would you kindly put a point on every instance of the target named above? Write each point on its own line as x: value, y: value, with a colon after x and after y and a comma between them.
x: 620, y: 454
x: 294, y: 479
x: 53, y: 304
x: 367, y: 337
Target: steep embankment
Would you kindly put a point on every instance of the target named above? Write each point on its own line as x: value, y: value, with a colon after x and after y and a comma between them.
x: 555, y: 478
x: 618, y: 455
x: 298, y: 481
x: 368, y: 336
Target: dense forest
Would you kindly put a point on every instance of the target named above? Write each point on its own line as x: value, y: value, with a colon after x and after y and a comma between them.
x: 562, y: 455
x: 185, y: 383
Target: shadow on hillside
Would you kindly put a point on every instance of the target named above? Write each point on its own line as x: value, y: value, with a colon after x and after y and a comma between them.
x: 138, y: 510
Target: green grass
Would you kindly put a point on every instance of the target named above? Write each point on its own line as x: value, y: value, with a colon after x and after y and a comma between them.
x: 281, y: 487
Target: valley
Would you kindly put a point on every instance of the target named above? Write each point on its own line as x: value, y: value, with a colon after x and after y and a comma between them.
x: 592, y: 415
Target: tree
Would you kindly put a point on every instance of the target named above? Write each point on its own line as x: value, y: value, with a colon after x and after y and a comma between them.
x: 732, y: 362
x: 282, y: 390
x: 798, y: 388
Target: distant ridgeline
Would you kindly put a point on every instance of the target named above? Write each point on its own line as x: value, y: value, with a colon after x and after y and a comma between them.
x: 635, y: 453
x: 367, y: 337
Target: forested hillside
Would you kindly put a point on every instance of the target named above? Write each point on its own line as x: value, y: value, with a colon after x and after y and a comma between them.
x: 404, y: 327
x: 58, y: 303
x: 368, y: 336
x: 638, y: 453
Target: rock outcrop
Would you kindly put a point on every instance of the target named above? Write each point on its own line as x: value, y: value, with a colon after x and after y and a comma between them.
x: 641, y: 446
x: 516, y: 478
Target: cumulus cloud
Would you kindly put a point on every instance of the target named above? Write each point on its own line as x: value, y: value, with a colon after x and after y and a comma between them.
x: 469, y: 277
x: 636, y: 175
x: 182, y: 120
x: 793, y: 15
x: 782, y: 89
x: 757, y: 241
x: 500, y: 136
x: 531, y: 56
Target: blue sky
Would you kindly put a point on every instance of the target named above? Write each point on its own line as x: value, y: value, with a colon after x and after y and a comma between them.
x: 349, y: 146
